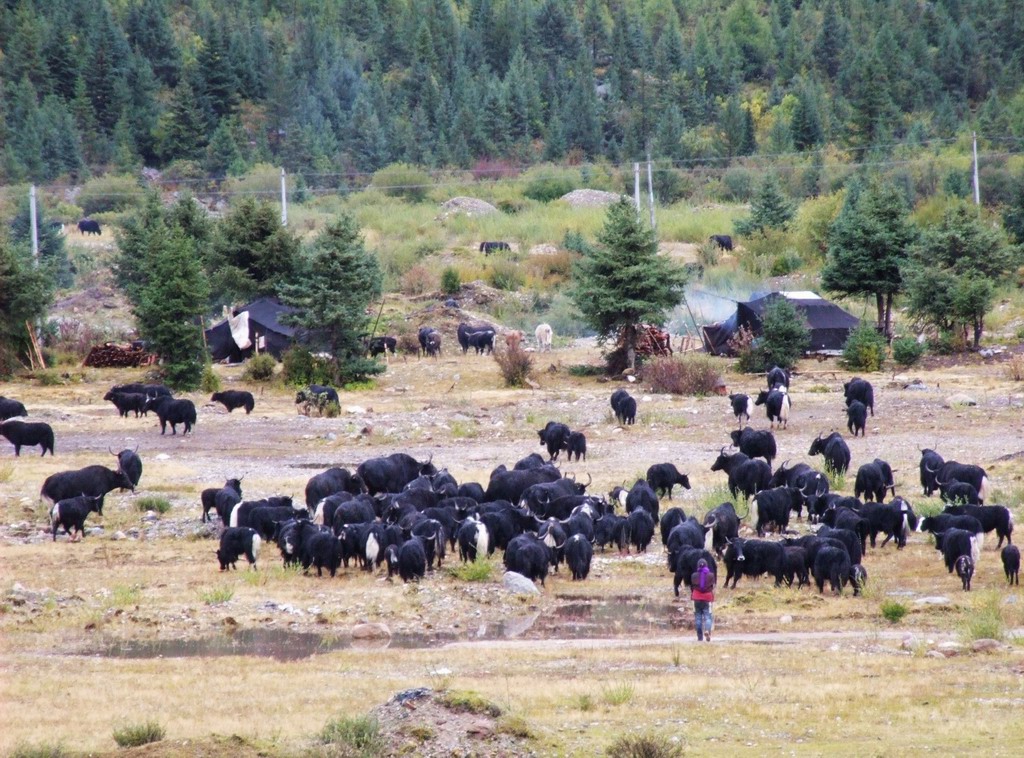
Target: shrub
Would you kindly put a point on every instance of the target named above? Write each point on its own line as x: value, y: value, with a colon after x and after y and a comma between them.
x: 418, y: 280
x: 708, y: 254
x: 682, y: 376
x: 45, y: 750
x: 985, y: 620
x: 547, y: 184
x: 133, y: 735
x: 1015, y: 368
x: 109, y: 193
x: 301, y: 367
x: 48, y: 378
x: 359, y: 733
x: 153, y: 503
x: 216, y: 595
x: 506, y: 275
x: 451, y: 282
x: 404, y: 181
x: 260, y: 368
x: 894, y: 611
x: 864, y: 349
x: 644, y: 746
x: 784, y: 340
x: 515, y: 365
x: 209, y: 381
x: 907, y: 351
x: 480, y: 570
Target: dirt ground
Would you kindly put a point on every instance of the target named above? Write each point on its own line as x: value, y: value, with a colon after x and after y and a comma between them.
x: 136, y: 621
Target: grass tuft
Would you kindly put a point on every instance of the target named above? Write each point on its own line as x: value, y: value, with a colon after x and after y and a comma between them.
x: 216, y: 595
x: 359, y: 733
x: 464, y: 701
x: 893, y: 610
x: 123, y: 596
x: 836, y: 479
x: 6, y: 472
x: 44, y: 750
x: 618, y: 694
x: 515, y: 726
x: 643, y: 746
x: 480, y: 570
x: 153, y: 503
x: 985, y: 620
x: 584, y: 702
x: 133, y: 735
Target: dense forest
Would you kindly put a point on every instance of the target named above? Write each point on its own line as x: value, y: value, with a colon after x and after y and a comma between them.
x: 331, y: 88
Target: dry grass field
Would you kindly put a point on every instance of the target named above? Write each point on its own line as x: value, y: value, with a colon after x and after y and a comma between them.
x: 111, y: 632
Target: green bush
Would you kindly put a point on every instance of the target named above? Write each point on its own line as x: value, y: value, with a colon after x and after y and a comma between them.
x: 48, y: 378
x: 109, y: 193
x: 864, y: 349
x: 907, y: 351
x: 358, y: 733
x: 133, y: 735
x: 301, y: 367
x: 644, y: 746
x: 784, y: 340
x: 894, y: 611
x: 451, y: 282
x: 985, y: 620
x: 403, y: 180
x: 153, y: 503
x: 259, y: 368
x: 506, y: 275
x: 547, y: 184
x: 480, y: 570
x: 209, y: 381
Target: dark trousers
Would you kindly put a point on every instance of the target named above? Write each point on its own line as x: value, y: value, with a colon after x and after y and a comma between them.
x: 702, y: 620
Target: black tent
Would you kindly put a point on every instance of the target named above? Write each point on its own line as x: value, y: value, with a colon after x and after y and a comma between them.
x: 830, y: 325
x: 251, y: 328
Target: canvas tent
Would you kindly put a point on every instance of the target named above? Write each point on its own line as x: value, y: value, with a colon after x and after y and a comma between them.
x: 255, y: 327
x: 830, y: 325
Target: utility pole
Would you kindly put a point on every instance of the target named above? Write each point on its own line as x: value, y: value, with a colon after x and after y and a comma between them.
x: 977, y: 189
x: 284, y: 199
x: 650, y: 189
x: 636, y: 186
x: 33, y: 221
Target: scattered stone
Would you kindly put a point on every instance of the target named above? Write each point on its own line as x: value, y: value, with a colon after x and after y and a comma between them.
x: 518, y: 584
x: 916, y: 384
x: 986, y: 646
x: 330, y: 436
x: 354, y: 409
x: 989, y: 352
x: 932, y: 600
x: 960, y: 399
x: 934, y: 654
x: 373, y: 631
x: 787, y: 619
x: 163, y: 457
x: 119, y: 535
x: 150, y: 516
x: 481, y: 728
x: 950, y: 648
x: 909, y: 642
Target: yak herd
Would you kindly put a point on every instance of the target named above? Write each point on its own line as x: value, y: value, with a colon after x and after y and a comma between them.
x: 407, y: 514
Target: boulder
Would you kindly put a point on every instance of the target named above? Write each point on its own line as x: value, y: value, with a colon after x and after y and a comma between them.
x: 986, y: 646
x: 373, y: 631
x: 960, y: 400
x: 518, y: 584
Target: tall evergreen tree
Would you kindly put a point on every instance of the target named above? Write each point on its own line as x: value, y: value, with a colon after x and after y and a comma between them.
x: 623, y: 282
x: 25, y: 296
x: 830, y: 45
x: 339, y: 280
x: 183, y: 126
x: 867, y: 245
x: 768, y: 210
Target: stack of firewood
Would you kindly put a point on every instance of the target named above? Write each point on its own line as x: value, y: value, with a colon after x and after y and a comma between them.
x: 112, y: 355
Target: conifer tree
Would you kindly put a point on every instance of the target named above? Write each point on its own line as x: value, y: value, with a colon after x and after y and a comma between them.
x: 339, y: 280
x: 25, y: 296
x: 623, y: 282
x: 768, y: 210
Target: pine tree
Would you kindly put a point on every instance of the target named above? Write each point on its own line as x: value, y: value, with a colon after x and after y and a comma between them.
x: 53, y: 255
x: 623, y: 282
x: 594, y: 32
x: 132, y: 267
x: 218, y: 90
x: 830, y: 45
x: 768, y: 210
x: 149, y: 32
x: 867, y: 245
x: 26, y: 293
x: 183, y: 126
x: 171, y: 306
x: 805, y: 125
x: 223, y: 156
x: 338, y: 282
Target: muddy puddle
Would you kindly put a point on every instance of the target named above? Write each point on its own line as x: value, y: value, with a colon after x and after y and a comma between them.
x: 574, y: 618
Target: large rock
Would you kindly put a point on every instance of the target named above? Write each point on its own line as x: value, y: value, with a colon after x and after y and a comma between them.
x: 518, y: 584
x: 932, y: 600
x: 370, y: 631
x: 986, y: 646
x: 960, y: 400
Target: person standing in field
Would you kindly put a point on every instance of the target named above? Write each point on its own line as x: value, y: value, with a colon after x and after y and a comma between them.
x: 702, y: 592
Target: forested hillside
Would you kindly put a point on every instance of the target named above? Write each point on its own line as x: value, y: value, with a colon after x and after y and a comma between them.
x: 330, y: 87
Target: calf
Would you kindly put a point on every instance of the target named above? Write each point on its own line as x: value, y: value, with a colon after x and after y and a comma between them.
x: 795, y: 566
x: 959, y: 493
x: 232, y: 399
x: 742, y: 407
x: 833, y: 564
x: 896, y: 519
x: 20, y: 433
x: 745, y: 474
x: 173, y: 412
x: 576, y: 444
x: 228, y: 495
x: 755, y: 443
x: 578, y: 554
x: 873, y: 479
x: 776, y: 404
x: 834, y: 450
x: 954, y: 543
x: 860, y: 390
x: 995, y: 518
x: 1011, y: 563
x: 662, y: 477
x: 856, y: 418
x: 236, y: 541
x: 849, y: 539
x: 492, y: 247
x: 965, y: 570
x: 91, y: 480
x: 386, y: 345
x: 624, y: 406
x: 126, y: 402
x: 11, y: 408
x: 72, y: 512
x: 858, y: 578
x: 753, y: 558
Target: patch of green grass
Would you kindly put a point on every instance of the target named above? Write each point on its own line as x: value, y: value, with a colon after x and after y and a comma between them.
x: 133, y: 735
x: 926, y: 508
x: 718, y: 495
x: 584, y: 702
x: 464, y: 701
x: 480, y: 570
x: 819, y: 389
x: 44, y: 750
x: 216, y: 595
x: 644, y: 746
x: 358, y: 733
x: 984, y: 621
x: 618, y: 694
x: 6, y: 472
x: 836, y: 479
x: 515, y: 726
x: 463, y: 429
x: 49, y: 378
x: 585, y: 369
x: 662, y: 418
x: 893, y: 610
x: 152, y: 503
x: 420, y: 732
x: 366, y: 385
x: 123, y: 596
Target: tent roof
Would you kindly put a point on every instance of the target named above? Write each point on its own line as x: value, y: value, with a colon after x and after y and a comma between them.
x: 266, y: 311
x: 820, y: 313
